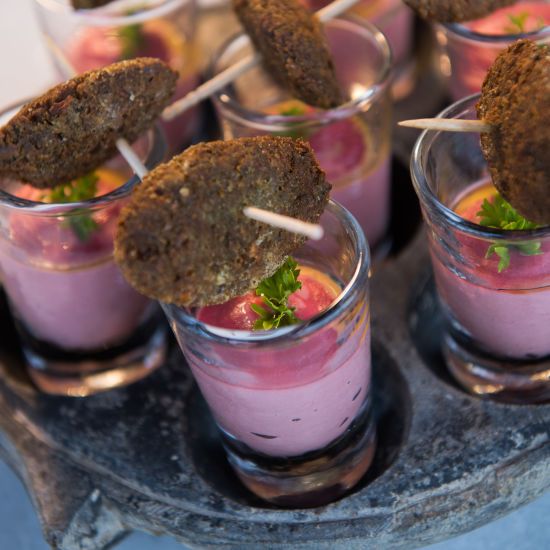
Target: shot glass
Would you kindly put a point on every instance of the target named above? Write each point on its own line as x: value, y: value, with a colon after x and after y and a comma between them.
x: 395, y: 20
x: 125, y: 29
x: 497, y: 318
x: 351, y: 142
x: 469, y: 49
x: 82, y: 328
x: 293, y: 405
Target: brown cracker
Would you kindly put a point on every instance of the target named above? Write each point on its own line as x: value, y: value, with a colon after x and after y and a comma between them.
x: 455, y: 11
x: 293, y: 47
x: 88, y: 4
x: 72, y: 129
x: 184, y: 239
x: 515, y: 99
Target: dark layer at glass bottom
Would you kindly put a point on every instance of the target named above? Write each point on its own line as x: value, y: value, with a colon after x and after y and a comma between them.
x: 63, y: 372
x: 312, y: 479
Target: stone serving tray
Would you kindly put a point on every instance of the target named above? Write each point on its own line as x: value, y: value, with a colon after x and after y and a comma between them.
x: 147, y: 457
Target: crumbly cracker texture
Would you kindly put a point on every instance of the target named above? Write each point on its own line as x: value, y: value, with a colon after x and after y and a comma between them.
x: 515, y: 99
x: 183, y: 237
x: 72, y: 129
x: 456, y: 11
x: 293, y: 47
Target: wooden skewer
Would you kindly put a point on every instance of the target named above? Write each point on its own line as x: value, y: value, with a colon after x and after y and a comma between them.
x: 205, y: 90
x: 447, y: 124
x: 334, y: 9
x: 208, y: 88
x: 293, y: 225
x: 311, y: 230
x: 131, y: 158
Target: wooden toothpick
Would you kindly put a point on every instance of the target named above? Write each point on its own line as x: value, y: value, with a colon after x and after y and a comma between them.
x: 311, y: 230
x: 447, y: 124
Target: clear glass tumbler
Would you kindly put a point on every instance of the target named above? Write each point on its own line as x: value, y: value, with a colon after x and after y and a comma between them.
x: 469, y: 49
x: 497, y: 318
x: 293, y: 405
x: 351, y: 142
x: 124, y: 29
x: 82, y: 328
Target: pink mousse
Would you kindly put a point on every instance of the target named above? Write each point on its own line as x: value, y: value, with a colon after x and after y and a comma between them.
x: 68, y: 292
x: 287, y: 397
x: 506, y: 313
x: 470, y: 60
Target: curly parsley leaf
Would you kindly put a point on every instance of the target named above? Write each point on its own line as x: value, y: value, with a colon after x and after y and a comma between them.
x: 132, y: 40
x: 500, y: 214
x: 275, y: 291
x: 294, y: 109
x: 519, y: 23
x: 82, y: 189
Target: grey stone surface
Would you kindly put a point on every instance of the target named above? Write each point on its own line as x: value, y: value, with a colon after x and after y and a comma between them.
x: 526, y: 528
x: 147, y: 457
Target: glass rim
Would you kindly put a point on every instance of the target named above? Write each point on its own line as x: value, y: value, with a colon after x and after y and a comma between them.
x: 428, y: 197
x: 107, y: 15
x: 296, y: 332
x: 465, y: 32
x: 272, y: 122
x: 30, y: 207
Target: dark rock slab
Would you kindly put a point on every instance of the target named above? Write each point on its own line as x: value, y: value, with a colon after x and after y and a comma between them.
x: 147, y: 456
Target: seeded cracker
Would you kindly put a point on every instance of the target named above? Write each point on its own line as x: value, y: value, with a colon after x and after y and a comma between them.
x: 183, y: 237
x: 88, y: 4
x: 515, y: 99
x: 293, y: 47
x: 455, y: 11
x: 72, y: 129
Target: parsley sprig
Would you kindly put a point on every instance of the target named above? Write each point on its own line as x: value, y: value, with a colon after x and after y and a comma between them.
x: 132, y: 40
x: 275, y: 291
x: 502, y: 215
x: 294, y: 109
x: 518, y: 23
x: 82, y: 189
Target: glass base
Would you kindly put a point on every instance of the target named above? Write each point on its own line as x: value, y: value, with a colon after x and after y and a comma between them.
x: 312, y: 479
x: 508, y: 382
x: 58, y: 372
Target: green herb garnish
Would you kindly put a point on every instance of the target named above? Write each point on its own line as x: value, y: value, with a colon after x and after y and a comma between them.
x: 293, y: 110
x: 519, y: 23
x: 133, y: 40
x: 502, y: 215
x: 275, y: 291
x: 82, y: 189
